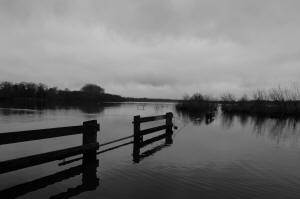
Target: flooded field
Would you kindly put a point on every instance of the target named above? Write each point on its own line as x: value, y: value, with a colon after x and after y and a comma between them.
x: 222, y: 157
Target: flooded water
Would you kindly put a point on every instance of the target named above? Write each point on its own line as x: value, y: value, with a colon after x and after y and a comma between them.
x: 226, y: 157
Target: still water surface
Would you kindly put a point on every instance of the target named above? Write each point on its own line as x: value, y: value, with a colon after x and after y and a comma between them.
x: 231, y: 157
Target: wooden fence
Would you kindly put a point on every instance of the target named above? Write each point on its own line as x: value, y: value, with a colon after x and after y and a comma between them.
x: 138, y: 134
x: 88, y: 148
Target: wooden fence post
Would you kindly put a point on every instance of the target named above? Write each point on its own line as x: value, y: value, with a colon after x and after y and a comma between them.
x: 89, y: 136
x: 137, y: 138
x: 169, y: 131
x: 89, y: 174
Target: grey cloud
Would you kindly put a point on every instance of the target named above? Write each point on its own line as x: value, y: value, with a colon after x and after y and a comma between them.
x: 153, y: 48
x: 156, y: 17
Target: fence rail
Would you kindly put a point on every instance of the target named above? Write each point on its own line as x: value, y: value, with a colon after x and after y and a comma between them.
x: 149, y: 119
x: 20, y: 163
x: 23, y: 136
x: 152, y: 130
x: 138, y: 133
x: 154, y: 139
x: 88, y: 148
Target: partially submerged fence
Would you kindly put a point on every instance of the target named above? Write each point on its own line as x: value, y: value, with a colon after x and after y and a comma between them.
x: 88, y: 148
x: 89, y: 145
x: 138, y: 134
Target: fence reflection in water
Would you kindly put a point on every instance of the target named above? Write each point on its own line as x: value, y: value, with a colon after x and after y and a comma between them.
x: 90, y: 181
x: 90, y: 163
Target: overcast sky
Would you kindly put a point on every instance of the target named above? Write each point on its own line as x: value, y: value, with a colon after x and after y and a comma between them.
x: 152, y: 48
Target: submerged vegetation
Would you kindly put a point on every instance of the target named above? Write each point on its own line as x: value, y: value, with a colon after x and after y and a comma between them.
x: 197, y: 103
x: 198, y: 108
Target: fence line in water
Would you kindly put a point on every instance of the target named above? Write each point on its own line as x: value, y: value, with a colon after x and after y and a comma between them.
x: 89, y: 145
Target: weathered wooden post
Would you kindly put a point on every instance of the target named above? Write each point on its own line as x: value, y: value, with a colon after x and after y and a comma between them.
x: 90, y: 129
x: 137, y: 138
x: 90, y: 162
x: 90, y: 179
x: 89, y: 136
x: 169, y: 131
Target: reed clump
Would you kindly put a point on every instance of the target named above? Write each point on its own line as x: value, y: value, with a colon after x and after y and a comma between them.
x: 276, y: 102
x: 197, y: 103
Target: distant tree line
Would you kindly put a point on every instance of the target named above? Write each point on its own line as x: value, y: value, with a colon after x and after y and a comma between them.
x: 27, y: 91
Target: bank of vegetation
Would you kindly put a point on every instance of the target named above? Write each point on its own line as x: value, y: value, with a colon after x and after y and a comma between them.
x: 32, y: 93
x: 275, y: 102
x: 197, y: 103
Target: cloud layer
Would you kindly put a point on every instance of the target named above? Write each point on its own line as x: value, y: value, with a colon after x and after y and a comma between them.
x: 151, y: 48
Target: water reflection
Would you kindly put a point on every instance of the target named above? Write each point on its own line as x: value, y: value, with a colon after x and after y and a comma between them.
x: 88, y: 170
x: 160, y: 107
x: 234, y: 157
x: 197, y: 118
x: 12, y: 109
x: 138, y: 156
x: 89, y: 181
x: 96, y: 109
x: 279, y: 129
x: 9, y: 111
